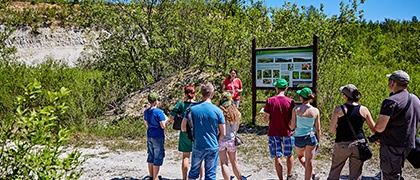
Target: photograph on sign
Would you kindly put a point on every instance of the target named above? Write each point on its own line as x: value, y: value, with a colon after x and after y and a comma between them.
x: 294, y: 65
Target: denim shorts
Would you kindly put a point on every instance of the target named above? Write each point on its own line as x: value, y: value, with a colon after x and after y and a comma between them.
x: 236, y: 102
x: 155, y: 151
x: 281, y: 145
x: 303, y: 141
x: 210, y: 158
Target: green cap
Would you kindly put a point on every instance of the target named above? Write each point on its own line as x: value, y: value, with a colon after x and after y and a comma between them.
x: 152, y: 97
x: 304, y: 92
x: 226, y: 96
x: 281, y: 83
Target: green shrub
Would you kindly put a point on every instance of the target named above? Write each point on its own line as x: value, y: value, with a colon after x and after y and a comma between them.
x: 89, y: 94
x: 32, y: 142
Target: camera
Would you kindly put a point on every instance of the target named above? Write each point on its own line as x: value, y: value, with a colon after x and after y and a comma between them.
x: 375, y: 137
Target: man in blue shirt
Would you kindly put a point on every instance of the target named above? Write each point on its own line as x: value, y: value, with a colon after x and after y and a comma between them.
x: 209, y: 129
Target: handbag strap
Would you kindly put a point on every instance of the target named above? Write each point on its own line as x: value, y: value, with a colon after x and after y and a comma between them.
x: 348, y: 121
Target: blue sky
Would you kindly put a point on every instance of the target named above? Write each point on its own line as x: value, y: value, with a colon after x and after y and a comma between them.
x: 375, y: 10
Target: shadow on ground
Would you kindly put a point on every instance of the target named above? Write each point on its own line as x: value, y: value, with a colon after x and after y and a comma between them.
x: 253, y: 129
x: 144, y: 178
x: 163, y: 178
x: 377, y: 177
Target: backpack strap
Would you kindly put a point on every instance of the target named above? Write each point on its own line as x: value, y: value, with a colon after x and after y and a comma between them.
x: 405, y: 108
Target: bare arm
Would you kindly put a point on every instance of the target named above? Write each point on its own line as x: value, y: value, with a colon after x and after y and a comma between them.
x: 184, y: 125
x: 239, y: 90
x: 240, y: 117
x: 223, y: 87
x: 318, y: 125
x: 368, y: 118
x: 162, y: 124
x: 381, y: 123
x: 222, y: 130
x: 171, y: 118
x: 334, y: 119
x: 292, y: 123
x: 266, y: 117
x: 145, y: 122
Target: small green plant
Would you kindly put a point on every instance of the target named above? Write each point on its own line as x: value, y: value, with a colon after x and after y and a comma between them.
x: 32, y: 143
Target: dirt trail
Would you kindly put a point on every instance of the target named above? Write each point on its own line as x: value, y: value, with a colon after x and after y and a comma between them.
x: 115, y: 165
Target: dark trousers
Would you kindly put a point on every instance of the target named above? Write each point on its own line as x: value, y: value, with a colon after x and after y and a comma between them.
x: 392, y: 161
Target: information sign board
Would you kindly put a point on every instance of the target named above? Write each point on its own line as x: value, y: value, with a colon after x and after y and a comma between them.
x: 294, y: 65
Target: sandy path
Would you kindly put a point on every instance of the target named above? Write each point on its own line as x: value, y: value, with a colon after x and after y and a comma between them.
x: 106, y: 164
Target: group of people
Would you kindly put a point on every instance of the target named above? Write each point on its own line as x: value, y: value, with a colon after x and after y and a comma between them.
x: 292, y: 128
x: 297, y: 127
x: 215, y: 128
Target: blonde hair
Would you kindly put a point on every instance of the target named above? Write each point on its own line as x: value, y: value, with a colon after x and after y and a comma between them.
x: 231, y: 113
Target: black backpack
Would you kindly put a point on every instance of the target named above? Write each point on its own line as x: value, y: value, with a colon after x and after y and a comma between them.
x: 190, y: 125
x: 178, y: 119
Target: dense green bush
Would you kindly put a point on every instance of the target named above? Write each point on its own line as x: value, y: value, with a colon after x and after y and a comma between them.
x: 88, y: 89
x: 32, y: 142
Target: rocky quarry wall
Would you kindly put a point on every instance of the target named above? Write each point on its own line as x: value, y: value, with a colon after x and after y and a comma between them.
x: 35, y: 46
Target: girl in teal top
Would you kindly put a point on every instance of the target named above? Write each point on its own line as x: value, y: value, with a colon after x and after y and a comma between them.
x: 304, y: 126
x: 306, y: 122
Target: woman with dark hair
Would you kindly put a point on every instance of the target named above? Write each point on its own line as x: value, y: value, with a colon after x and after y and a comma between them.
x: 345, y: 146
x: 306, y: 123
x: 184, y: 143
x: 233, y: 85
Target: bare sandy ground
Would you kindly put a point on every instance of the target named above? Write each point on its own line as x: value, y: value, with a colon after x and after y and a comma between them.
x: 116, y: 165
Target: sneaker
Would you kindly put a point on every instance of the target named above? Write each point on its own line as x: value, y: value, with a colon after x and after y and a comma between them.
x: 378, y: 176
x: 315, y: 177
x: 292, y: 177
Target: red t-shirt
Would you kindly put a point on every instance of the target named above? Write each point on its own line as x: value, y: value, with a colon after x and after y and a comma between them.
x: 236, y: 83
x: 280, y: 109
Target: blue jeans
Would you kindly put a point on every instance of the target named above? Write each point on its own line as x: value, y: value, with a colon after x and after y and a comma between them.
x: 155, y: 151
x: 236, y: 102
x: 210, y: 163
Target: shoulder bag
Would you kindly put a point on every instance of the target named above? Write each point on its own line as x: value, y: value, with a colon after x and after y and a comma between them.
x: 365, y: 152
x: 238, y: 140
x: 414, y: 155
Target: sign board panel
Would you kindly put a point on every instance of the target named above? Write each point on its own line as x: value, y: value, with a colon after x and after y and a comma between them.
x: 293, y: 64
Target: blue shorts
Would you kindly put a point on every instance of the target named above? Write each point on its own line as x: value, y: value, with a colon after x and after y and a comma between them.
x: 210, y: 158
x: 281, y: 145
x: 155, y: 151
x: 303, y: 141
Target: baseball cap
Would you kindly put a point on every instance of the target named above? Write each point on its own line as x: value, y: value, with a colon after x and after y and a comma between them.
x: 281, y: 83
x: 304, y: 92
x: 399, y: 76
x: 348, y: 90
x: 152, y: 97
x: 226, y: 96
